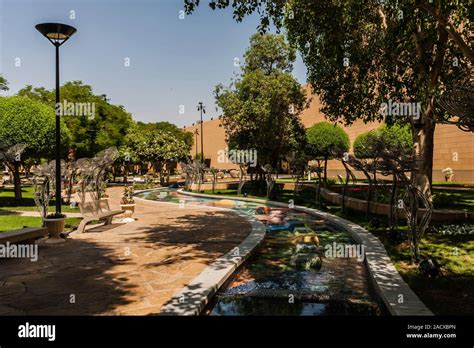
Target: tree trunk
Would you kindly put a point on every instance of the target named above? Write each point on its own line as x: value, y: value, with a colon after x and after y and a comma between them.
x: 17, y: 180
x: 325, y: 171
x: 423, y: 140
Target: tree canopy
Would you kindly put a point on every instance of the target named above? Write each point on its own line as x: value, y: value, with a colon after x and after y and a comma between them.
x: 395, y: 136
x: 90, y: 134
x: 29, y: 122
x: 261, y: 107
x: 323, y: 138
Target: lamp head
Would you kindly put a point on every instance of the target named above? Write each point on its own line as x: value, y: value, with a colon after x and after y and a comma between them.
x: 56, y: 33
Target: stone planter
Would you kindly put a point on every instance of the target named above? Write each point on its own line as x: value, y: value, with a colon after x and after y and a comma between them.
x: 55, y: 227
x: 129, y: 209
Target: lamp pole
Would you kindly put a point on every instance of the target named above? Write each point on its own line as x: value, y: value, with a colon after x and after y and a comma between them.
x: 58, y: 136
x: 57, y: 34
x: 202, y: 108
x: 196, y: 132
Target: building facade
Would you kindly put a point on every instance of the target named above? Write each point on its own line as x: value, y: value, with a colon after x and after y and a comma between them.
x: 454, y: 148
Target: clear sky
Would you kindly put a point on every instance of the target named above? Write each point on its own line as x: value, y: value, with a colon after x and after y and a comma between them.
x: 173, y: 61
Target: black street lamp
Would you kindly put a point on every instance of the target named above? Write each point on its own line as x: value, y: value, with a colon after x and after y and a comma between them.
x: 202, y: 108
x: 196, y: 132
x: 57, y: 34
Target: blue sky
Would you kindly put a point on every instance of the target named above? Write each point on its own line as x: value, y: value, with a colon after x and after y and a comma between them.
x: 173, y: 61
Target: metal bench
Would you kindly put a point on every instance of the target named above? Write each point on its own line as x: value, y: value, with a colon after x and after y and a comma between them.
x: 28, y: 235
x: 96, y: 210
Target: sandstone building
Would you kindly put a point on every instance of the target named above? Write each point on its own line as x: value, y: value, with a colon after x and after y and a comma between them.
x: 453, y: 148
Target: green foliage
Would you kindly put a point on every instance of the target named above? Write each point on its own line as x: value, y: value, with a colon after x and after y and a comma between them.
x: 444, y: 200
x: 391, y: 46
x: 3, y: 84
x: 187, y: 137
x: 29, y: 122
x: 360, y: 54
x: 396, y: 136
x: 270, y: 54
x: 362, y: 144
x: 261, y: 108
x: 89, y: 135
x: 324, y: 137
x: 151, y: 143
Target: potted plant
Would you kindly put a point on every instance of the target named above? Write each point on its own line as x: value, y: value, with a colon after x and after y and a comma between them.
x: 127, y: 202
x: 55, y: 224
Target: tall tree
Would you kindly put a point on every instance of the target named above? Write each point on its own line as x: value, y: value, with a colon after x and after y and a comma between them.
x: 360, y: 54
x: 261, y: 107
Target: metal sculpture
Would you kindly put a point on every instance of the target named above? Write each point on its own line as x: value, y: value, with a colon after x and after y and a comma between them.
x: 242, y: 176
x: 187, y: 169
x: 458, y: 101
x: 269, y: 178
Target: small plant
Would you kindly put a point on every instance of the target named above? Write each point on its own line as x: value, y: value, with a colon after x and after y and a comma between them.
x: 127, y: 197
x: 448, y: 174
x: 453, y: 229
x: 56, y: 216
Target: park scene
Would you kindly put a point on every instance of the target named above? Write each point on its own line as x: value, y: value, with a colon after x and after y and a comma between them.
x: 236, y: 158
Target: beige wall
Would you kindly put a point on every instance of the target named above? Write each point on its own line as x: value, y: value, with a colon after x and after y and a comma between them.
x: 213, y: 141
x: 453, y: 148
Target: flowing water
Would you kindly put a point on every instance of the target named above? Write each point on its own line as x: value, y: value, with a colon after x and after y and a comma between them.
x: 291, y: 273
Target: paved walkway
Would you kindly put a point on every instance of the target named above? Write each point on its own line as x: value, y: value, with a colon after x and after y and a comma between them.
x: 132, y: 268
x: 34, y: 213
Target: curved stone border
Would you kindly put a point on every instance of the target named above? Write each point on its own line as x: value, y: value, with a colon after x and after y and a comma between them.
x: 389, y: 285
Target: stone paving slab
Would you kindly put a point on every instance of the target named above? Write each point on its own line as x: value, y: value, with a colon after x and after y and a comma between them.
x: 120, y: 269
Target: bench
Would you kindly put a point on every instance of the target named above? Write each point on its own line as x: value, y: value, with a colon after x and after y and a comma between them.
x: 96, y: 210
x: 28, y: 235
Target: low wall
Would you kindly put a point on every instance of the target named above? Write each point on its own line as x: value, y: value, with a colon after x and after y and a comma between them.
x: 447, y: 215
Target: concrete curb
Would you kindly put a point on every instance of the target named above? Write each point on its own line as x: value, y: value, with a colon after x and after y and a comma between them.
x: 389, y: 285
x: 193, y: 298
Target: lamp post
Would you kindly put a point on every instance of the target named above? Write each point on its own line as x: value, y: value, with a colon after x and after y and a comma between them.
x: 57, y: 34
x: 202, y: 108
x: 196, y: 132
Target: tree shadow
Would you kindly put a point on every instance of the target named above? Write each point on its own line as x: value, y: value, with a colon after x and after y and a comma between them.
x: 211, y: 234
x: 73, y: 278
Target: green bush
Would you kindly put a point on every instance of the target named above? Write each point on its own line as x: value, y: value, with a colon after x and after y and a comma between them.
x: 443, y: 199
x: 323, y: 137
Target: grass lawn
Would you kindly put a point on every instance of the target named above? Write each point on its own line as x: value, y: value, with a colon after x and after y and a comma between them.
x: 27, y: 203
x: 14, y: 222
x: 450, y: 294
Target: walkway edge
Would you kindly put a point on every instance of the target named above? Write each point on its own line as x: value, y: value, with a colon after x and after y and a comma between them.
x: 397, y: 296
x: 193, y: 298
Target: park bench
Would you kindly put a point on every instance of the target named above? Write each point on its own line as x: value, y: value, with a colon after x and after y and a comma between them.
x: 28, y: 235
x: 96, y: 210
